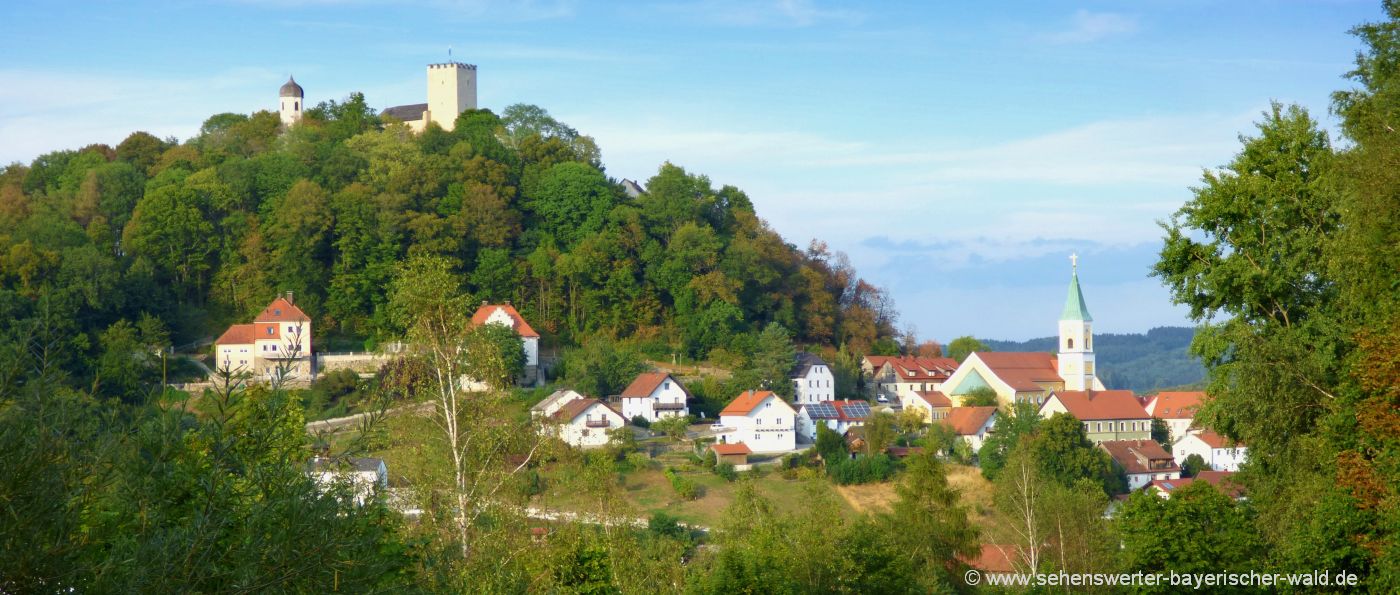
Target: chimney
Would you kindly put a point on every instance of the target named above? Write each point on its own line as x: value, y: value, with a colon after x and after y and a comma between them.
x: 291, y: 299
x: 483, y: 303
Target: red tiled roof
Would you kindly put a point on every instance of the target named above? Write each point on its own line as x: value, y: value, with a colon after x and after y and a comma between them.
x: 281, y: 310
x: 923, y: 368
x: 1022, y: 370
x: 1214, y: 440
x: 934, y: 398
x: 1175, y: 405
x: 571, y: 410
x: 1101, y: 404
x: 645, y: 384
x: 965, y: 421
x: 521, y: 327
x: 1135, y: 456
x: 878, y: 361
x: 238, y: 334
x: 746, y: 401
x: 851, y: 410
x: 995, y: 558
x: 1222, y: 480
x: 738, y: 448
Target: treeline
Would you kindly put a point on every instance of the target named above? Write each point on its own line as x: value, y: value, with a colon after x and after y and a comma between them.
x: 203, y: 233
x: 1138, y: 362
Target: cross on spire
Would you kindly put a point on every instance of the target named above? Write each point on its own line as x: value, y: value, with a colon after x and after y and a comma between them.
x: 1074, y: 261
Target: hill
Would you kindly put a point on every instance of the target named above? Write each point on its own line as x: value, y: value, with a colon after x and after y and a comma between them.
x: 1139, y: 362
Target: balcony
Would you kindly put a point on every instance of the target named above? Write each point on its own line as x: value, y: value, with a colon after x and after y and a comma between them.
x: 596, y: 423
x: 667, y: 406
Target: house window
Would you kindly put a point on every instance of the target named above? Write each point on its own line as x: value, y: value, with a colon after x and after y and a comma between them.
x: 269, y: 330
x: 666, y: 385
x: 1071, y: 343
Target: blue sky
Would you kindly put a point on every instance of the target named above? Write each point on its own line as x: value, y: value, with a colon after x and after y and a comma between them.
x: 958, y: 151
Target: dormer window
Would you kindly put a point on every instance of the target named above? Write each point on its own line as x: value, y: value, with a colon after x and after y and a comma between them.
x: 269, y: 330
x: 277, y: 312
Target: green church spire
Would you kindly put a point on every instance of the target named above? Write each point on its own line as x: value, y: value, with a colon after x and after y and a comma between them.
x: 1074, y: 303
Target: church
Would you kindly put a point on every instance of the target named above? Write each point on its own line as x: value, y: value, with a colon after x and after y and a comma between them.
x: 451, y: 91
x: 1030, y: 377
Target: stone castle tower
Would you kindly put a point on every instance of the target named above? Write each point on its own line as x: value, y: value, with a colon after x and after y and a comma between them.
x: 1076, y: 359
x: 451, y: 91
x: 292, y: 100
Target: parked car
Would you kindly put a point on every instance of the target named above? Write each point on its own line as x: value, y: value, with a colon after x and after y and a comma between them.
x: 882, y: 398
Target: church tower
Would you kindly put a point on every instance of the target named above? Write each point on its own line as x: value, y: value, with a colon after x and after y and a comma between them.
x: 291, y: 102
x: 1077, y: 338
x: 451, y: 91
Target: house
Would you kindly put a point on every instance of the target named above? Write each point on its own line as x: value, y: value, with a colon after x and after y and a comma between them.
x: 837, y: 415
x: 279, y: 339
x: 654, y: 396
x: 812, y: 381
x: 734, y: 454
x: 971, y: 424
x: 1106, y: 414
x: 996, y: 559
x: 1222, y: 480
x: 585, y: 423
x: 1031, y: 377
x: 760, y: 419
x: 898, y: 377
x: 1177, y: 409
x: 1142, y: 461
x: 932, y: 404
x: 553, y: 402
x: 364, y: 476
x: 505, y: 315
x: 1220, y: 453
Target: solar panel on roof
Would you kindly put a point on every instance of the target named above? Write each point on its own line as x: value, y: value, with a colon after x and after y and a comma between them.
x: 822, y: 410
x: 858, y: 409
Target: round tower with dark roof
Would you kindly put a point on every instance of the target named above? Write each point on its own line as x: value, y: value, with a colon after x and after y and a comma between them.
x: 290, y: 102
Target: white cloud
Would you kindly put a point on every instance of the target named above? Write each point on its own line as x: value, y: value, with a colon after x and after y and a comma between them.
x: 1087, y: 27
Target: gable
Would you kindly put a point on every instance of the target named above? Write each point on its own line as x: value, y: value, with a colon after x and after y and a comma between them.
x: 973, y: 380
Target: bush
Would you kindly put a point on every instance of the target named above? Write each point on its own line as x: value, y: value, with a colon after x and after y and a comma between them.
x: 640, y: 422
x: 726, y: 470
x: 862, y: 469
x: 685, y: 488
x: 755, y: 472
x: 709, y: 459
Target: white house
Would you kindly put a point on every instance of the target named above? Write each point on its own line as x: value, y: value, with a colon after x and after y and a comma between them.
x: 551, y: 404
x: 971, y: 424
x: 278, y: 339
x: 1177, y: 409
x: 1142, y: 461
x: 505, y: 315
x: 654, y: 396
x: 760, y: 419
x: 932, y: 404
x: 1219, y: 452
x: 812, y: 381
x: 585, y: 423
x: 837, y: 415
x: 363, y: 475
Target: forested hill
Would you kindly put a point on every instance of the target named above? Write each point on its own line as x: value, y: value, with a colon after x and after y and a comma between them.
x: 1140, y: 362
x: 201, y: 233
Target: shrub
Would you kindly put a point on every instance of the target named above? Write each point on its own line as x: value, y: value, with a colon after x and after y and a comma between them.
x: 640, y: 422
x: 685, y: 488
x: 755, y: 472
x: 726, y: 470
x: 709, y: 459
x: 862, y: 469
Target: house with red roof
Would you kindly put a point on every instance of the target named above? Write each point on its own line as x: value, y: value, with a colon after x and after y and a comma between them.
x: 839, y: 416
x: 1177, y: 409
x: 654, y: 396
x: 506, y: 315
x: 278, y: 340
x: 931, y: 404
x: 760, y: 419
x: 1025, y: 377
x: 585, y: 422
x: 994, y: 558
x: 897, y: 378
x: 1222, y: 480
x: 971, y: 424
x: 1142, y: 461
x: 734, y: 454
x: 1106, y: 414
x: 1219, y: 452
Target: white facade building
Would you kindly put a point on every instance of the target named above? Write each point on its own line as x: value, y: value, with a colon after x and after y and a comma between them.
x: 363, y: 476
x: 585, y: 423
x: 812, y: 381
x: 506, y: 315
x: 291, y: 101
x: 760, y: 419
x: 654, y: 396
x: 1219, y: 453
x: 1177, y: 409
x: 551, y: 404
x: 839, y: 416
x: 279, y: 338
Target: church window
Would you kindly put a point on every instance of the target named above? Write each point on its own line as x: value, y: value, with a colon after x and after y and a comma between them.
x: 296, y: 105
x: 1071, y: 343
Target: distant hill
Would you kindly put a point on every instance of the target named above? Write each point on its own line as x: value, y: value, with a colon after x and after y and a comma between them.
x: 1140, y: 362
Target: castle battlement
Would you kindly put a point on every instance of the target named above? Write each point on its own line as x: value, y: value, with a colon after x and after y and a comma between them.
x: 453, y: 65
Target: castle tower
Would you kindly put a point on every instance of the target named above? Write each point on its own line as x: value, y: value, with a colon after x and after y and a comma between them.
x: 451, y: 91
x: 291, y: 102
x: 1076, y: 338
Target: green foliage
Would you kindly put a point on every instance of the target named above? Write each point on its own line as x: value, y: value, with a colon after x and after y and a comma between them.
x: 1197, y: 529
x: 726, y: 471
x: 1009, y: 429
x: 981, y: 396
x: 961, y: 347
x: 495, y: 355
x: 685, y: 487
x: 927, y: 524
x: 862, y: 469
x: 1066, y: 455
x: 641, y: 422
x: 674, y: 427
x: 601, y: 366
x: 1193, y: 465
x: 830, y: 445
x: 881, y: 429
x: 1162, y: 433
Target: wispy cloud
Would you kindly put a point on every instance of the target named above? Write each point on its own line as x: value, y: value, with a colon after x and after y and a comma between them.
x: 490, y: 10
x: 1087, y: 27
x: 752, y: 13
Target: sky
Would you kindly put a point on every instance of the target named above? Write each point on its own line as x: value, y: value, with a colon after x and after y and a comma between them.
x: 958, y: 152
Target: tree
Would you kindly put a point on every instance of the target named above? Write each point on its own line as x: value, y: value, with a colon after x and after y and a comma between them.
x: 1053, y: 526
x: 674, y: 427
x: 982, y: 396
x: 1193, y: 465
x: 961, y: 347
x: 495, y: 355
x: 602, y: 366
x: 830, y: 445
x: 1009, y: 429
x: 1066, y: 455
x: 773, y: 357
x: 1197, y: 529
x: 1161, y: 433
x: 881, y: 429
x: 927, y: 523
